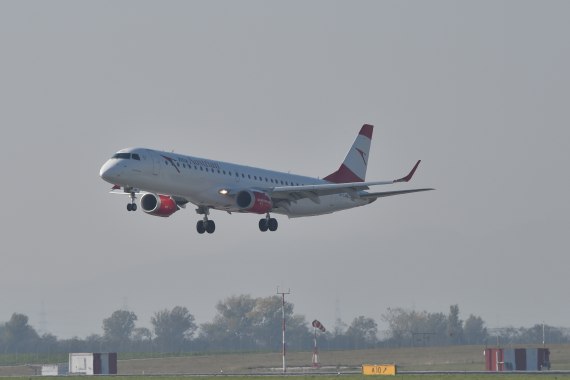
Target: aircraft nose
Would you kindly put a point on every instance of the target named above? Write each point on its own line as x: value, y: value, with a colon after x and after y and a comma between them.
x: 109, y: 171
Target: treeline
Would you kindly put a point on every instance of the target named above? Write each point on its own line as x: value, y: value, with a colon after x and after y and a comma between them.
x: 243, y: 323
x: 413, y: 328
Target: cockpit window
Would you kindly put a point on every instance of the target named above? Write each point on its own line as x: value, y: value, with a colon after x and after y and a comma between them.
x: 126, y: 156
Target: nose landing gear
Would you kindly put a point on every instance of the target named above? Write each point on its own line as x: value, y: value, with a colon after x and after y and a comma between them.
x: 132, y: 206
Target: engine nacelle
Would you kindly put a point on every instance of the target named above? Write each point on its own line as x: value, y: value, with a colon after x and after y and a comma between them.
x: 158, y: 205
x: 256, y: 202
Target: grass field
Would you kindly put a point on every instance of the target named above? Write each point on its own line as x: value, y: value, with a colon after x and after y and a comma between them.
x: 455, y: 358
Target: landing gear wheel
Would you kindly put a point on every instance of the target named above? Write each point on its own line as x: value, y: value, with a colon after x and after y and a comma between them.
x: 272, y: 224
x: 263, y: 225
x: 205, y: 225
x: 200, y: 227
x: 210, y: 226
x: 132, y: 206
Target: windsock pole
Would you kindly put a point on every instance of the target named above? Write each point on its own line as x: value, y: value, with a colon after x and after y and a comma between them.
x: 316, y: 325
x: 315, y: 350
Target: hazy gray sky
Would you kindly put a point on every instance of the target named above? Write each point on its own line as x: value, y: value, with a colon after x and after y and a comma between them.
x: 479, y: 90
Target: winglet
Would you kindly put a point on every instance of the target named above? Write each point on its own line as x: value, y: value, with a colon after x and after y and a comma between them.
x: 410, y: 174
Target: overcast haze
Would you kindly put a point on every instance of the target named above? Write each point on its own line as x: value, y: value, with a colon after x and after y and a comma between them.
x: 477, y: 90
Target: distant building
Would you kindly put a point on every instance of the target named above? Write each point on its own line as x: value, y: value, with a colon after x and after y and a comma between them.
x: 517, y: 359
x: 93, y: 363
x: 50, y: 370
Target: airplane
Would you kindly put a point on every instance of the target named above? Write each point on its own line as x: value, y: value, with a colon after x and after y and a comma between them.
x: 169, y: 181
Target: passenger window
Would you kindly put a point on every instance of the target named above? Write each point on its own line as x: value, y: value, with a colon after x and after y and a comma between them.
x: 255, y: 177
x: 201, y: 168
x: 224, y: 172
x: 242, y: 175
x: 249, y: 176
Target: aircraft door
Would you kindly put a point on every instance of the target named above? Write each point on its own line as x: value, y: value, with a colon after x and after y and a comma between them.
x: 155, y: 162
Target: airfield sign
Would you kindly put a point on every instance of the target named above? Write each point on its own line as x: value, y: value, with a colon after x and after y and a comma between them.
x: 379, y: 369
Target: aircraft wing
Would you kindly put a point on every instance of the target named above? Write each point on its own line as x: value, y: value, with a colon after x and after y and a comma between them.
x: 313, y: 191
x: 381, y: 194
x: 116, y: 189
x: 352, y: 188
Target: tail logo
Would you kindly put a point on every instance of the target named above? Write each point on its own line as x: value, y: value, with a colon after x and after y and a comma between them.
x: 362, y: 154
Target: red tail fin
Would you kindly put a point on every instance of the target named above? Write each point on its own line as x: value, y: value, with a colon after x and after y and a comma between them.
x: 353, y: 168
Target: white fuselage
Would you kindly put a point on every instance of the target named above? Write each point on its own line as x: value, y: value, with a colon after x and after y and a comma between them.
x: 200, y: 181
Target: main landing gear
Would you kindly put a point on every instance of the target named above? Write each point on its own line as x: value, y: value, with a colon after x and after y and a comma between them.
x: 268, y: 223
x: 132, y: 206
x: 205, y: 225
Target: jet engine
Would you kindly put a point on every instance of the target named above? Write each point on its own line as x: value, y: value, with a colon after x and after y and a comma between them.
x: 158, y: 205
x: 256, y: 202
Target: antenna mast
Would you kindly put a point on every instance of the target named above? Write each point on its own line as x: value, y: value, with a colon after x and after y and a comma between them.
x: 283, y: 313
